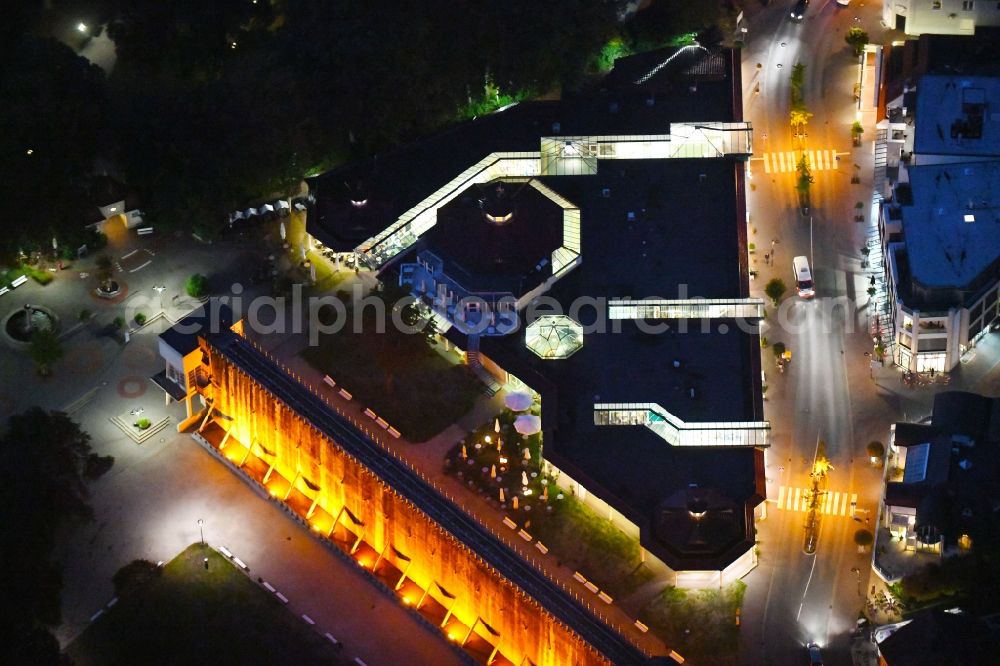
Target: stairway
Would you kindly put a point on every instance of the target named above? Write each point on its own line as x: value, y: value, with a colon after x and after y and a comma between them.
x: 490, y: 385
x: 881, y: 150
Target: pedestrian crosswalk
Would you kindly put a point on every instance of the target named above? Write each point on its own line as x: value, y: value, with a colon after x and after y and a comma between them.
x: 830, y: 502
x: 786, y: 161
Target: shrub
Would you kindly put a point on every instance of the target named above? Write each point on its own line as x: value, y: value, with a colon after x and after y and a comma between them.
x: 857, y: 39
x: 775, y: 289
x: 85, y: 315
x: 863, y: 537
x: 143, y: 423
x: 134, y: 575
x: 119, y: 322
x: 140, y: 318
x: 196, y: 286
x: 875, y: 449
x: 97, y: 465
x: 778, y: 348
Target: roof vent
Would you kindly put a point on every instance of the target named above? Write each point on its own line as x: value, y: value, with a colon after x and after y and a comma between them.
x: 650, y: 101
x: 613, y: 107
x: 606, y: 193
x: 965, y: 464
x: 556, y: 127
x: 962, y: 440
x: 630, y: 216
x: 702, y: 177
x: 693, y: 87
x: 966, y: 512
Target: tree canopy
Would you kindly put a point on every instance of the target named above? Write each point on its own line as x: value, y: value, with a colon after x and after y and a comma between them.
x: 55, y: 106
x: 218, y: 104
x: 45, y: 463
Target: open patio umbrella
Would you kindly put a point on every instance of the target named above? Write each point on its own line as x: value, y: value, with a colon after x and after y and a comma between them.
x: 527, y: 424
x: 517, y: 401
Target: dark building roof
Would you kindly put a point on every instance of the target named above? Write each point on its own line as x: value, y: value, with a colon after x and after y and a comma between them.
x: 213, y: 317
x: 941, y: 54
x: 498, y: 254
x: 952, y: 235
x: 960, y: 453
x: 940, y: 638
x: 393, y: 182
x: 667, y: 228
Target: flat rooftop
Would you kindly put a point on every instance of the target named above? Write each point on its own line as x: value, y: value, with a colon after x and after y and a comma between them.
x: 484, y: 251
x: 683, y: 241
x: 649, y: 228
x: 952, y: 227
x: 393, y: 182
x: 958, y: 115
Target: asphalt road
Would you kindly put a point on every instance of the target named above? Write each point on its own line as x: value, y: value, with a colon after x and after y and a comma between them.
x: 810, y: 597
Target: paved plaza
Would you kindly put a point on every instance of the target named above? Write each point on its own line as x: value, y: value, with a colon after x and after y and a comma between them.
x: 148, y: 505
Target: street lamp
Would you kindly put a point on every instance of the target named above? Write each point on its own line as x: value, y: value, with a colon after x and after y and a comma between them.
x: 201, y: 530
x: 81, y: 27
x: 159, y: 290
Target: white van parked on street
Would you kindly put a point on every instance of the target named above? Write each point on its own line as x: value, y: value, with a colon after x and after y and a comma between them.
x: 803, y: 277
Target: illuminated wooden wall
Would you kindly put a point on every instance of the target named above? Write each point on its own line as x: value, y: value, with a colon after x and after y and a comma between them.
x: 526, y: 629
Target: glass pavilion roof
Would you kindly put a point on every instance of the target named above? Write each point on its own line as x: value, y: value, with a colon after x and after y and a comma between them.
x: 554, y: 336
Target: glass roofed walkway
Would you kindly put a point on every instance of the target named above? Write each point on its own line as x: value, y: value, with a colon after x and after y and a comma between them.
x: 677, y: 432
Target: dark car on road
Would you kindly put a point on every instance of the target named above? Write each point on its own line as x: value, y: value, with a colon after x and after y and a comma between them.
x: 815, y: 656
x: 799, y: 10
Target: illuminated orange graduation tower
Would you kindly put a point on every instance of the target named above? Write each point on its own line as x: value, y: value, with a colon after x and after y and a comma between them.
x: 384, y: 504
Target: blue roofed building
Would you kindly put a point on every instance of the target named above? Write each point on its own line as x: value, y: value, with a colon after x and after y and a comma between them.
x: 940, y: 227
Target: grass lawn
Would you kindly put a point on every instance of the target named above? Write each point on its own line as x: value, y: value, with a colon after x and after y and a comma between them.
x: 608, y: 557
x: 709, y: 616
x: 399, y: 376
x: 193, y: 616
x: 572, y: 531
x: 38, y: 275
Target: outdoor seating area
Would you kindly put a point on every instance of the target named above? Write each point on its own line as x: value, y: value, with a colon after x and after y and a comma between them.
x: 499, y: 462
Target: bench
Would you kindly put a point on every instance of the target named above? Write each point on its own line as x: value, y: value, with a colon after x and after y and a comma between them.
x: 590, y: 586
x: 369, y: 413
x: 541, y: 548
x: 603, y: 596
x: 225, y: 551
x: 579, y: 577
x: 328, y: 380
x: 18, y: 281
x: 524, y: 535
x: 509, y: 523
x: 345, y: 395
x: 392, y: 431
x: 3, y: 290
x: 382, y: 423
x: 144, y: 231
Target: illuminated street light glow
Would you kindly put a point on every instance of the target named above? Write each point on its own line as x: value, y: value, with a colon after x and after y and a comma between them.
x: 81, y: 27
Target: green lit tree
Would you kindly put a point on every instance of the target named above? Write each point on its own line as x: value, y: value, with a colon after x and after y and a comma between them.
x: 857, y: 39
x: 45, y: 349
x: 775, y: 289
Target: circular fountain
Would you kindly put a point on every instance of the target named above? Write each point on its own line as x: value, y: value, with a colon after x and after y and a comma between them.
x: 21, y: 324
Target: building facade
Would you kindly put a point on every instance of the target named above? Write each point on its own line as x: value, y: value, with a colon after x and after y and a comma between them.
x: 937, y: 226
x: 946, y: 17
